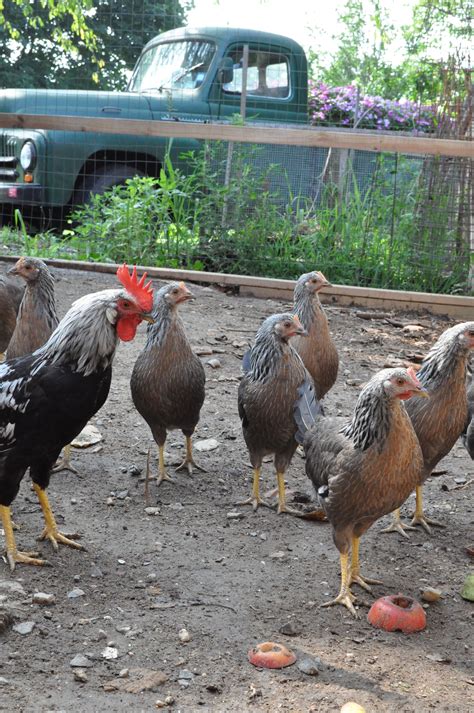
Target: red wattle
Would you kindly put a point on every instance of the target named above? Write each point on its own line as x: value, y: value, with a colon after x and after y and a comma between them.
x: 127, y: 327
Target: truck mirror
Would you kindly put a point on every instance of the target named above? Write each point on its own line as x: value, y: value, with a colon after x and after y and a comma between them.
x: 226, y: 70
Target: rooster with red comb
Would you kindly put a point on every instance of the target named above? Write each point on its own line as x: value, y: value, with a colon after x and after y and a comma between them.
x: 46, y: 398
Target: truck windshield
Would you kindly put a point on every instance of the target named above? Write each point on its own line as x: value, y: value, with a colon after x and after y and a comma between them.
x: 172, y: 65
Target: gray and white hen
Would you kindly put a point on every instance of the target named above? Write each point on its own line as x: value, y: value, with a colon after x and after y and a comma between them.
x: 365, y: 469
x: 168, y: 379
x: 275, y: 380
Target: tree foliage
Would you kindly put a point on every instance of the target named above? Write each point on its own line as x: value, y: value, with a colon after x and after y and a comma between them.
x: 79, y: 44
x: 407, y: 62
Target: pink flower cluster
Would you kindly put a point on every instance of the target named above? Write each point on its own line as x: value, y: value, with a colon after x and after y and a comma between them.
x: 342, y: 106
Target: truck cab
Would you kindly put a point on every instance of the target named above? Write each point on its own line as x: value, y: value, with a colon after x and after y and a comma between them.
x: 188, y: 74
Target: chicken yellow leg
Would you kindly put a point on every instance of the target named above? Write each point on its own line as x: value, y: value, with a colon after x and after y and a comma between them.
x: 51, y: 531
x: 162, y: 474
x: 397, y: 525
x: 345, y: 595
x: 189, y: 461
x: 282, y: 506
x: 65, y: 462
x: 255, y: 500
x: 419, y: 517
x: 355, y: 575
x: 14, y: 555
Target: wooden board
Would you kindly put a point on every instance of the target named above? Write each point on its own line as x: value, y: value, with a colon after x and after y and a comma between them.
x: 309, y: 136
x: 459, y: 307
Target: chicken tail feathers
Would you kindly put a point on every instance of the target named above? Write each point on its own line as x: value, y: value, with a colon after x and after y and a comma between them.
x: 246, y: 365
x: 307, y: 407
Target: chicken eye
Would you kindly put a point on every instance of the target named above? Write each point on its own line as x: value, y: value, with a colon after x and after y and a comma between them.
x: 288, y: 324
x: 126, y: 304
x: 400, y: 381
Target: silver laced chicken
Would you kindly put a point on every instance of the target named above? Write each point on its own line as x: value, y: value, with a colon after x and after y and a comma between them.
x: 275, y: 380
x: 168, y: 379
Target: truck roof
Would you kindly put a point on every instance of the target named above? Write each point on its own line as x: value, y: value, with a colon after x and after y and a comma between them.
x: 231, y: 34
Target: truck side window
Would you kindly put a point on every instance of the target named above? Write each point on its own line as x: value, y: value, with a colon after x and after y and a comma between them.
x: 267, y: 75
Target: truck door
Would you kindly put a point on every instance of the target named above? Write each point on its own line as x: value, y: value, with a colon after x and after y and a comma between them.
x: 269, y: 90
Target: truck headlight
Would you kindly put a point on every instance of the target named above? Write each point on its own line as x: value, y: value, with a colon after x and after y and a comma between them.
x: 28, y: 156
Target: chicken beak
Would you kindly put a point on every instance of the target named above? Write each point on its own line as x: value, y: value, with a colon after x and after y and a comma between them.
x: 421, y: 392
x: 147, y: 318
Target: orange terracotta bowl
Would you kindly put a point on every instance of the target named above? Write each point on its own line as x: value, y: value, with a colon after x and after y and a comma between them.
x: 397, y: 613
x: 271, y: 655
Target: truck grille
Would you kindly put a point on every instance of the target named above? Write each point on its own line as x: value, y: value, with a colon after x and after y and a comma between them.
x: 8, y: 160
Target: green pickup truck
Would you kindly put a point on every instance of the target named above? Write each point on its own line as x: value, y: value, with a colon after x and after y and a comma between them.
x: 182, y: 75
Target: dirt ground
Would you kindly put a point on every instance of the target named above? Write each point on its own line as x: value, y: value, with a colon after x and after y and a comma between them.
x: 231, y: 583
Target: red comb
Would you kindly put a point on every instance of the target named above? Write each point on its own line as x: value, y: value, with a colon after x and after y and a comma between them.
x: 142, y: 292
x: 412, y: 374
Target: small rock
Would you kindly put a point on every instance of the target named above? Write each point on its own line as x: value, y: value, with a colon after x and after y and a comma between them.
x: 185, y: 677
x: 96, y: 572
x: 290, y: 629
x: 202, y: 351
x: 208, y: 444
x: 215, y: 363
x: 123, y: 673
x: 235, y: 515
x: 101, y: 634
x: 122, y: 628
x: 169, y: 700
x: 110, y: 652
x: 412, y: 328
x: 110, y: 501
x: 4, y: 681
x: 278, y: 555
x: 429, y: 594
x: 80, y: 675
x: 43, y: 599
x: 80, y: 661
x: 135, y: 471
x: 89, y: 436
x: 76, y: 592
x: 184, y: 635
x: 311, y: 666
x: 122, y: 494
x: 152, y: 510
x: 24, y: 627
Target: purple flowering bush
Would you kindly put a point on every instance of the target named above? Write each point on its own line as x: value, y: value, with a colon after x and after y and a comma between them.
x: 337, y: 106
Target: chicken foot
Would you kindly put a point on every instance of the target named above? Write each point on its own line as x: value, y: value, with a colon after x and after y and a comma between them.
x: 189, y: 461
x: 355, y: 576
x: 13, y: 555
x: 419, y: 518
x: 345, y: 596
x: 65, y: 462
x: 51, y: 531
x: 255, y: 500
x: 282, y: 506
x: 397, y: 525
x: 162, y: 473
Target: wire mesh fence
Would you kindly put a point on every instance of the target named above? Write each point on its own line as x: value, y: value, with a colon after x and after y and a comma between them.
x: 398, y: 219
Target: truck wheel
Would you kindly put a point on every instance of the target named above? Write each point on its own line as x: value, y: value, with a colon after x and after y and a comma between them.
x: 102, y: 181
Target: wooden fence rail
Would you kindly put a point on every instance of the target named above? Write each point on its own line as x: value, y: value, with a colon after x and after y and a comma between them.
x: 287, y: 136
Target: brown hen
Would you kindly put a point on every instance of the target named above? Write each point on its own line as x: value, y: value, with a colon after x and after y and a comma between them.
x: 366, y: 468
x: 37, y: 316
x: 11, y: 295
x: 168, y: 379
x: 317, y: 350
x: 439, y: 422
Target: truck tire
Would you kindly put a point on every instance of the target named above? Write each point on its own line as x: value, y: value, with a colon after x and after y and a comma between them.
x: 102, y: 181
